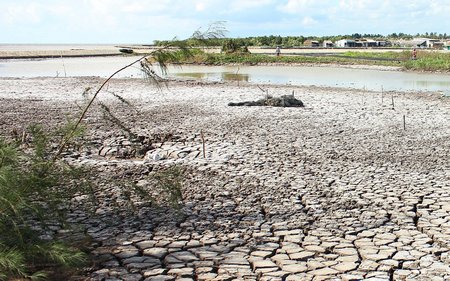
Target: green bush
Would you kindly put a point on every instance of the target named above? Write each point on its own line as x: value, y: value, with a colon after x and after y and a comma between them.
x: 429, y: 61
x: 33, y: 189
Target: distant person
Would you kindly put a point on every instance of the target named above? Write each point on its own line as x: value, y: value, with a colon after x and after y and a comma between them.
x: 414, y: 54
x: 278, y: 51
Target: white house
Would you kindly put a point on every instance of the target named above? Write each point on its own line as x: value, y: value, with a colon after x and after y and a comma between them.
x: 364, y: 43
x: 435, y: 43
x: 345, y: 43
x: 328, y: 44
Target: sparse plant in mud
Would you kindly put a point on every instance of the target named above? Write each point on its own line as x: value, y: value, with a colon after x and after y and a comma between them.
x: 163, y: 188
x: 170, y: 181
x: 34, y: 192
x: 108, y: 115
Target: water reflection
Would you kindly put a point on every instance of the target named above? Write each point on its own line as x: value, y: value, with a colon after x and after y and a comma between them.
x: 223, y: 76
x: 227, y: 76
x: 193, y: 75
x: 426, y: 84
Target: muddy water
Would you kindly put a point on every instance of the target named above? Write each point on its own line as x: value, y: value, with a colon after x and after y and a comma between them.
x: 294, y: 75
x: 322, y: 76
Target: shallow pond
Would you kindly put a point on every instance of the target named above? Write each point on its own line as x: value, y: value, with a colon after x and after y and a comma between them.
x: 293, y: 75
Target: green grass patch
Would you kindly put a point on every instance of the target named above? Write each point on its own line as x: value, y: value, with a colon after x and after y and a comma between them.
x: 429, y: 61
x: 255, y: 59
x: 404, y: 55
x: 426, y: 60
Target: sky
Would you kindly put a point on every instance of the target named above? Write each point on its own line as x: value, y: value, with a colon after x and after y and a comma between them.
x: 142, y: 21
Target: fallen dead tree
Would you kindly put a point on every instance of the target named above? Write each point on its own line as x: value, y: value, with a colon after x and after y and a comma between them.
x: 283, y: 101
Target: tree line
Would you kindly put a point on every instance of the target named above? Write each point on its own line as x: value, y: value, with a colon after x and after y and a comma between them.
x: 297, y: 41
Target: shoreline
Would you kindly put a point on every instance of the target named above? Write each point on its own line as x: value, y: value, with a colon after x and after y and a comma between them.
x: 338, y: 65
x: 26, y: 50
x: 81, y: 51
x: 53, y: 56
x: 32, y: 54
x: 228, y: 83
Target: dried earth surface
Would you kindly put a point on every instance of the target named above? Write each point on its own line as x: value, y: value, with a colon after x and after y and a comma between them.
x: 336, y: 190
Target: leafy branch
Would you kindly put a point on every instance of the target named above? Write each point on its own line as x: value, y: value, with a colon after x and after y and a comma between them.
x: 161, y: 57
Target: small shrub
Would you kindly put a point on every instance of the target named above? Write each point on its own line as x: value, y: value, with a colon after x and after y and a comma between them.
x: 230, y: 46
x: 33, y: 190
x: 170, y: 182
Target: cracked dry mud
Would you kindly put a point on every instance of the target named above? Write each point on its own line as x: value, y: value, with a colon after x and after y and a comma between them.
x: 337, y: 190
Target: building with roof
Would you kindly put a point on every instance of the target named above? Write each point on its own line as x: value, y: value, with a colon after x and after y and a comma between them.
x: 328, y: 44
x: 424, y: 43
x: 311, y: 43
x: 345, y: 43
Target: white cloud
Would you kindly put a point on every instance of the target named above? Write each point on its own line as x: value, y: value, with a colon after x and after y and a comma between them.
x: 299, y: 6
x: 163, y: 19
x: 352, y: 5
x: 242, y: 5
x: 207, y: 6
x: 100, y: 6
x: 20, y: 13
x: 200, y: 6
x: 59, y: 9
x: 133, y: 7
x: 439, y: 8
x: 308, y: 21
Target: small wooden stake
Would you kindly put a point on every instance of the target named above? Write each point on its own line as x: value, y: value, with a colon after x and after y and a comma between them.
x: 392, y: 98
x: 203, y: 143
x: 404, y: 122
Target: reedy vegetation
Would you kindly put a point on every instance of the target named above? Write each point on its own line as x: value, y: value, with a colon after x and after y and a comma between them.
x: 426, y: 60
x: 36, y: 185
